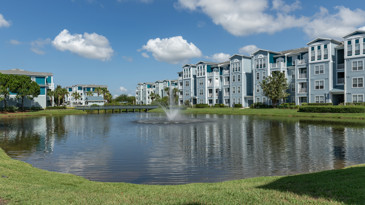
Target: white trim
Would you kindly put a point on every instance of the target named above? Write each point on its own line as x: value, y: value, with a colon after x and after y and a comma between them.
x: 357, y: 95
x: 319, y: 84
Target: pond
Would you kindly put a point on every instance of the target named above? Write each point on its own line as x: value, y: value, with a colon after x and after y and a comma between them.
x: 116, y: 148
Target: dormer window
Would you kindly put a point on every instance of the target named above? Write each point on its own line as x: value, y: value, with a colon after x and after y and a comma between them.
x: 312, y: 54
x: 357, y: 47
x: 325, y: 51
x: 319, y: 53
x: 349, y: 48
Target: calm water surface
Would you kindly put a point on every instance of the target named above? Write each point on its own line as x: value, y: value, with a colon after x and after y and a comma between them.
x: 115, y: 148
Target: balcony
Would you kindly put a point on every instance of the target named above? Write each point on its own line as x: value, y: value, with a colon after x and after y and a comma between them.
x: 277, y: 65
x: 340, y: 66
x: 302, y: 90
x: 340, y: 80
x: 225, y: 72
x: 302, y: 75
x: 301, y: 62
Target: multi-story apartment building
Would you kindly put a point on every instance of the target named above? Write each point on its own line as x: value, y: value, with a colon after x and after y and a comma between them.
x: 88, y: 95
x: 326, y: 71
x: 144, y: 90
x: 44, y: 80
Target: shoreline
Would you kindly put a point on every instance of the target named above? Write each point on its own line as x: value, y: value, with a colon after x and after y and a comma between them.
x: 23, y: 183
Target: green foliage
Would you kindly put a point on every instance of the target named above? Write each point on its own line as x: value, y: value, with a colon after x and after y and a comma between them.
x: 11, y: 109
x: 317, y: 104
x: 123, y: 98
x: 219, y: 105
x: 260, y: 105
x: 332, y: 109
x: 288, y: 106
x: 94, y: 105
x: 187, y: 103
x: 201, y: 105
x: 7, y: 84
x: 275, y: 87
x: 60, y: 94
x: 24, y: 87
x: 238, y: 105
x: 56, y: 108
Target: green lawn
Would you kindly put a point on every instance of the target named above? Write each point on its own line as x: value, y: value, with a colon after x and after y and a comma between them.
x: 43, y: 113
x: 20, y: 183
x: 275, y: 113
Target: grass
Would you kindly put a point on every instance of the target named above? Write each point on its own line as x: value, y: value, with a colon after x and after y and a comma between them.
x: 275, y: 113
x: 20, y: 183
x: 42, y: 113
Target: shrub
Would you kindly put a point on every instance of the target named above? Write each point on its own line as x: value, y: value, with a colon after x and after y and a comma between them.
x: 94, y: 105
x: 202, y: 105
x: 34, y: 108
x: 260, y: 105
x: 332, y: 109
x: 238, y: 105
x: 288, y: 106
x: 317, y: 104
x: 11, y: 109
x: 56, y: 108
x: 219, y: 105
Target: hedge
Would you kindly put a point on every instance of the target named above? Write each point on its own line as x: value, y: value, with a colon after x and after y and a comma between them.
x: 201, y: 105
x: 317, y: 104
x: 288, y: 106
x: 332, y: 109
x: 259, y: 105
x: 56, y: 108
x: 238, y: 105
x: 219, y: 105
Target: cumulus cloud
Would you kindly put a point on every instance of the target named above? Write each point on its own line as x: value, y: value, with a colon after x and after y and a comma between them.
x: 172, y: 50
x: 245, y: 17
x: 15, y: 42
x: 123, y: 89
x: 219, y: 57
x: 248, y: 49
x: 145, y: 55
x: 37, y: 46
x: 336, y: 25
x: 87, y: 45
x: 3, y: 22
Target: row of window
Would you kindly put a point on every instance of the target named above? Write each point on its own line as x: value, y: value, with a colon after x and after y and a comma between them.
x: 236, y: 67
x: 357, y: 47
x: 318, y: 52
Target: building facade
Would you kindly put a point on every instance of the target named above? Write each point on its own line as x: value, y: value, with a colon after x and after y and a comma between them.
x: 87, y: 95
x: 159, y: 89
x: 43, y: 79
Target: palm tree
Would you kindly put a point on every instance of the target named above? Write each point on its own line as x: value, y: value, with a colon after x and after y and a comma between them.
x: 76, y: 96
x: 89, y: 93
x: 64, y: 93
x: 51, y: 94
x: 98, y: 90
x: 57, y: 94
x: 153, y: 96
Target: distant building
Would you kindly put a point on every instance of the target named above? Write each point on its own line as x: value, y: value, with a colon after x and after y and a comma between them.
x: 88, y: 95
x: 144, y: 90
x: 44, y: 80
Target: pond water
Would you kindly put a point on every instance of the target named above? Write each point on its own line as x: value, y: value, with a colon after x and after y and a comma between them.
x: 116, y: 148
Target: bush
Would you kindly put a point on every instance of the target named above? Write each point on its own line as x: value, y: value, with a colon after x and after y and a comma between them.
x: 201, y: 105
x: 332, y: 109
x: 288, y: 106
x: 33, y: 108
x: 260, y: 105
x: 237, y: 105
x: 56, y: 108
x: 317, y: 104
x: 219, y: 105
x: 11, y: 109
x: 94, y: 105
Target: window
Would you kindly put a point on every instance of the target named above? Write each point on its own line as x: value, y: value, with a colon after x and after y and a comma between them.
x: 263, y: 75
x: 201, y: 82
x: 238, y: 89
x: 257, y: 99
x: 263, y: 100
x: 349, y: 48
x: 319, y: 53
x: 293, y: 87
x: 357, y: 65
x: 226, y: 91
x: 357, y: 47
x: 312, y: 54
x: 186, y: 83
x: 358, y: 98
x: 234, y: 90
x: 201, y: 92
x: 325, y: 51
x: 318, y: 69
x: 258, y: 76
x: 186, y: 92
x: 257, y: 88
x: 239, y: 78
x: 340, y: 77
x: 319, y: 99
x: 319, y: 85
x: 363, y: 46
x: 357, y: 82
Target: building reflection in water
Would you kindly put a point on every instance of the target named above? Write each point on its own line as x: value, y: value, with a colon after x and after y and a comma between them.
x: 223, y: 147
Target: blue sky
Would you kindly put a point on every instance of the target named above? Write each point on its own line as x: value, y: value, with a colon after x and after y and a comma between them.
x: 119, y: 43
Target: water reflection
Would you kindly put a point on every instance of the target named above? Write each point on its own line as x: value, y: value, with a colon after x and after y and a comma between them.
x: 115, y: 148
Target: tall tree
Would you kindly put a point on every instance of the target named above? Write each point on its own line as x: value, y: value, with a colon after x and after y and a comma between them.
x: 25, y: 88
x: 275, y: 87
x: 7, y: 83
x: 89, y: 93
x: 60, y: 94
x: 98, y: 90
x: 76, y: 96
x: 51, y: 94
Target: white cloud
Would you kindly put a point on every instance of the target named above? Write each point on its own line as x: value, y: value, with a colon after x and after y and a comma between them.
x: 280, y: 5
x: 123, y: 89
x: 37, y: 46
x: 172, y: 50
x: 219, y: 57
x: 127, y: 58
x: 143, y: 1
x: 335, y: 25
x: 87, y: 45
x: 361, y: 28
x: 15, y: 42
x: 248, y: 49
x: 245, y: 17
x: 145, y: 55
x: 3, y: 22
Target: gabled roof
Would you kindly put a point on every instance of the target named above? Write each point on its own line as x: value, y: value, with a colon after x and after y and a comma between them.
x: 239, y: 55
x: 293, y: 51
x: 324, y: 39
x: 265, y: 51
x: 17, y: 71
x: 206, y: 62
x: 90, y: 86
x: 355, y: 33
x: 188, y: 65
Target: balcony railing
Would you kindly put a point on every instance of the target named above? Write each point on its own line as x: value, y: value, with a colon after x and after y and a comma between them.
x: 301, y: 62
x: 357, y: 52
x: 325, y: 56
x: 302, y: 75
x: 225, y: 72
x: 340, y: 66
x: 302, y: 90
x: 340, y: 80
x: 277, y: 65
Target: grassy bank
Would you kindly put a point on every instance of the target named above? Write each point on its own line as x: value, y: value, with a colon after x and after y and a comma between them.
x: 42, y: 113
x: 274, y: 113
x: 20, y: 183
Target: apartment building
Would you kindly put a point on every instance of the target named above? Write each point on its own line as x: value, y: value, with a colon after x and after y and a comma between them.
x: 44, y: 80
x: 88, y: 95
x: 144, y: 90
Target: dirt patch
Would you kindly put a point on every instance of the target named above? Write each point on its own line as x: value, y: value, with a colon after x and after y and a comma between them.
x: 3, y: 201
